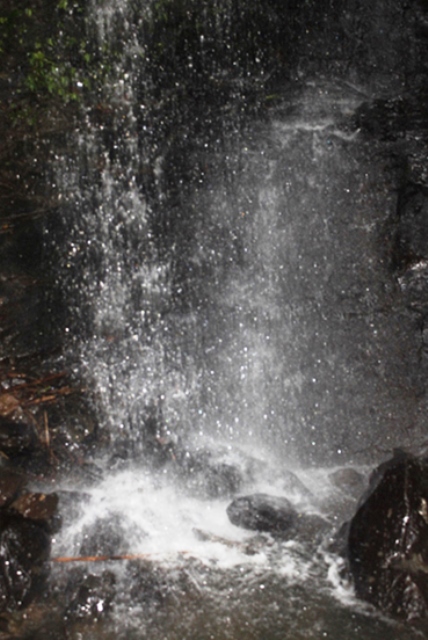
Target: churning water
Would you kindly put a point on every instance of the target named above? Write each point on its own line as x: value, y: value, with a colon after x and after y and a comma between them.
x: 251, y: 303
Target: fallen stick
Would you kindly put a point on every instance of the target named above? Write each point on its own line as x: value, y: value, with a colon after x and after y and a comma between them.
x: 126, y: 556
x: 61, y: 391
x: 33, y: 383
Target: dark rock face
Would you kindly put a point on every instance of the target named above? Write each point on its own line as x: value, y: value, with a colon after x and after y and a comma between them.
x: 11, y: 483
x: 24, y: 551
x: 412, y: 229
x: 90, y: 597
x: 41, y: 508
x: 383, y: 118
x: 16, y: 437
x: 27, y: 521
x: 262, y: 512
x: 388, y: 539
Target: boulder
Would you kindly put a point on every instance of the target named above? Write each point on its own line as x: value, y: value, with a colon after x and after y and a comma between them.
x: 387, y: 539
x: 411, y: 233
x: 262, y: 512
x: 16, y: 437
x: 39, y: 507
x: 90, y: 596
x: 11, y: 483
x: 24, y: 552
x: 382, y: 118
x: 350, y: 481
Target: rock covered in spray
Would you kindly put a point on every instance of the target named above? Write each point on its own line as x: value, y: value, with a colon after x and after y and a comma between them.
x: 262, y: 512
x: 387, y: 542
x: 25, y: 548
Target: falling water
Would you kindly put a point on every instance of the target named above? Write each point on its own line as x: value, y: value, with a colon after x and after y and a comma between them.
x: 229, y: 272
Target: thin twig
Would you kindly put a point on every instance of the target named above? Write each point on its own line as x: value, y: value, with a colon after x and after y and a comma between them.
x: 37, y: 382
x: 125, y: 556
x: 46, y: 434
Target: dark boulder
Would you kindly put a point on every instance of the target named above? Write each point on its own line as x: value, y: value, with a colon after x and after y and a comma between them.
x: 16, y: 437
x: 387, y: 543
x: 90, y: 596
x: 24, y: 552
x: 39, y: 507
x: 262, y: 512
x: 384, y: 119
x: 11, y: 483
x: 411, y: 238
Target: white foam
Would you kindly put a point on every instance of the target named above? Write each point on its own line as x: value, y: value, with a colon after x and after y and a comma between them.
x: 157, y: 520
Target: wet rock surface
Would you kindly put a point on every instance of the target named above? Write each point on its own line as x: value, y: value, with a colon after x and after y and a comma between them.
x: 41, y: 508
x: 203, y: 473
x: 43, y: 443
x: 89, y: 597
x: 350, y: 481
x: 11, y: 483
x: 27, y: 522
x: 387, y: 539
x: 25, y: 548
x: 262, y: 512
x: 16, y: 438
x: 107, y: 536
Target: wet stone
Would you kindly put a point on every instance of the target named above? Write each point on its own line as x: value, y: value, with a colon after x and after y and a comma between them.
x: 91, y: 597
x: 16, y: 437
x: 262, y: 512
x: 106, y: 536
x: 388, y: 538
x: 40, y: 507
x: 349, y: 481
x: 24, y: 551
x: 11, y: 483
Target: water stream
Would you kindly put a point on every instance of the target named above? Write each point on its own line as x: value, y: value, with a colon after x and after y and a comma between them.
x: 240, y: 289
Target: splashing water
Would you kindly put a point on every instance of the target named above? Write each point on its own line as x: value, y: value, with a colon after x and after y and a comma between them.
x: 252, y: 304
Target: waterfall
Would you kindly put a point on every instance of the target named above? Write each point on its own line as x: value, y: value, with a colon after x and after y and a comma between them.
x: 223, y: 255
x: 227, y: 265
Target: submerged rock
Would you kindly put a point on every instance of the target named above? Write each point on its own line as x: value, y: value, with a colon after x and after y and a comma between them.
x: 262, y: 512
x: 387, y: 543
